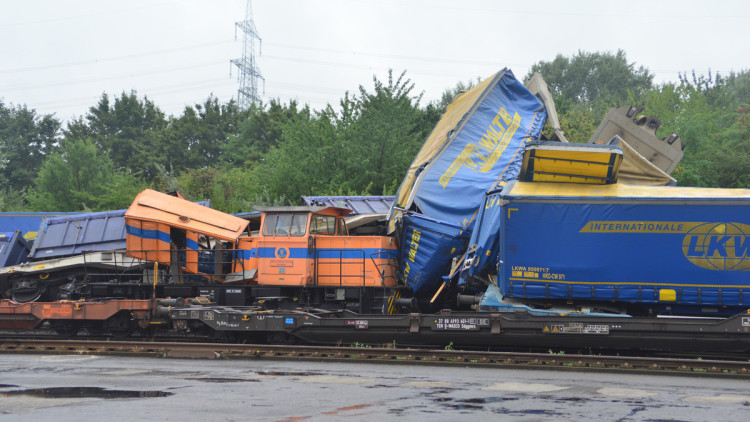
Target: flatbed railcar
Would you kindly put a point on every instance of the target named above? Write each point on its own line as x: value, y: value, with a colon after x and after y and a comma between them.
x: 514, y: 329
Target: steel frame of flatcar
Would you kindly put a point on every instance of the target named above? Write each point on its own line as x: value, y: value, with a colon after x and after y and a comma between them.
x: 496, y: 330
x: 475, y: 329
x: 31, y: 315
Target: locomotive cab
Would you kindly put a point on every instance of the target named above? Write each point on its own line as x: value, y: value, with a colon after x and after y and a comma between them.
x: 311, y: 246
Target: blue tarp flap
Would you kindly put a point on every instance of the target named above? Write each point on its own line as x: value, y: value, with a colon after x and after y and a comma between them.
x: 14, y: 249
x: 73, y: 234
x: 427, y: 249
x: 486, y: 149
x: 481, y: 257
x: 24, y: 221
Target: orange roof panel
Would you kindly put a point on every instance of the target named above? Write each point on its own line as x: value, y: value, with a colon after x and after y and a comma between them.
x: 151, y: 205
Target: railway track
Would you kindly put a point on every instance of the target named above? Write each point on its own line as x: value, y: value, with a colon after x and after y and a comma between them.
x: 575, y: 362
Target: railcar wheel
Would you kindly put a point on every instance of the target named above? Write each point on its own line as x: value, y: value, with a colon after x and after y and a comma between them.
x: 65, y: 328
x: 25, y: 290
x: 280, y: 338
x: 120, y: 325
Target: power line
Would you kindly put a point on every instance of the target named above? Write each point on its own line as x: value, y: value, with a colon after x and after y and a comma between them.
x: 108, y: 78
x: 114, y: 58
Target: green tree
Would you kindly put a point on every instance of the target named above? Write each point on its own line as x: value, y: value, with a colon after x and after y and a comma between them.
x: 26, y: 139
x: 128, y: 130
x: 384, y: 134
x: 587, y: 78
x: 80, y: 177
x: 198, y: 138
x: 10, y: 199
x: 309, y: 160
x: 230, y: 189
x: 261, y: 131
x: 587, y: 85
x: 364, y: 147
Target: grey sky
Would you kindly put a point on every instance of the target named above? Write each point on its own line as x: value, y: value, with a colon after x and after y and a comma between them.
x: 59, y: 56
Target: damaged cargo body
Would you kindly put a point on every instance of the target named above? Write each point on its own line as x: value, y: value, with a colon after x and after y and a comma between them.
x: 476, y: 145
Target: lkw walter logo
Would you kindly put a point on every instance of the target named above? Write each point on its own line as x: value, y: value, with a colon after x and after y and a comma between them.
x: 718, y: 246
x: 713, y: 246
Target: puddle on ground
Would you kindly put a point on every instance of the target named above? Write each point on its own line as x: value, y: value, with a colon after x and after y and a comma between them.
x: 470, y: 404
x: 436, y: 391
x: 83, y: 392
x: 335, y: 379
x: 523, y: 387
x: 381, y: 386
x: 287, y: 374
x: 426, y: 384
x: 565, y: 399
x: 545, y: 412
x: 460, y: 406
x: 348, y: 408
x: 223, y: 380
x: 720, y: 398
x: 485, y: 400
x: 629, y: 393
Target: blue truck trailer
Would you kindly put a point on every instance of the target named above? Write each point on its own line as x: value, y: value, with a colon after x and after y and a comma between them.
x: 652, y: 250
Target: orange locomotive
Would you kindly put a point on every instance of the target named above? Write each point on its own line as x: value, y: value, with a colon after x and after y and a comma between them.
x: 299, y: 256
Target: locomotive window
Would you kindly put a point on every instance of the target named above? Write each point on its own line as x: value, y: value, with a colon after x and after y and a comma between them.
x: 270, y: 224
x: 342, y: 228
x: 323, y: 224
x: 299, y: 223
x: 285, y: 224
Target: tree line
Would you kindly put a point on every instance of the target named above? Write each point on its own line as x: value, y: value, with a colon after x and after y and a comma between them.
x: 275, y: 152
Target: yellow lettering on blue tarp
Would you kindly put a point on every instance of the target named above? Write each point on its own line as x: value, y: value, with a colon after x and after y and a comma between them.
x: 638, y: 226
x: 494, y: 201
x: 481, y: 157
x: 413, y: 246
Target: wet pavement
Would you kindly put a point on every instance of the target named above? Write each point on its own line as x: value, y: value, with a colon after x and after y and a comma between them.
x: 75, y: 388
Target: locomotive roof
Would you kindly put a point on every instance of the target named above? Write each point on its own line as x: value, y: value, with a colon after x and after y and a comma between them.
x: 313, y: 209
x: 150, y: 205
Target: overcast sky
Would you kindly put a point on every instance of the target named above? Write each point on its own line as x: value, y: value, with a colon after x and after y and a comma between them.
x: 59, y: 56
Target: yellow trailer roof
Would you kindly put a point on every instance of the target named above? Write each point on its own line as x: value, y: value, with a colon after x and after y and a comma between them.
x: 618, y: 190
x: 151, y: 205
x: 573, y: 163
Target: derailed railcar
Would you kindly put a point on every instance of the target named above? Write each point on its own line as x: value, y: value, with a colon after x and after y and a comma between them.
x: 623, y: 248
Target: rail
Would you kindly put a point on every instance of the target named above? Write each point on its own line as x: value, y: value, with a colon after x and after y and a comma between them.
x: 548, y: 361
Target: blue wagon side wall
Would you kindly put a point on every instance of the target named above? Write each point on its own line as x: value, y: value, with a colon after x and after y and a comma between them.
x: 678, y: 252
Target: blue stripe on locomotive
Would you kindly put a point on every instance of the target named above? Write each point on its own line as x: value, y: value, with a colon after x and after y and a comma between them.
x: 149, y: 234
x: 627, y: 252
x: 323, y: 253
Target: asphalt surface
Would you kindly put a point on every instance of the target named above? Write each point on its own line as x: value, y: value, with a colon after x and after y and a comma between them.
x: 76, y: 388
